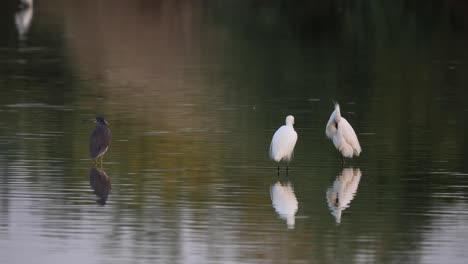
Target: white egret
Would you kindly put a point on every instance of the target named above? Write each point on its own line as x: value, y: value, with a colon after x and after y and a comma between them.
x: 283, y: 142
x: 344, y: 188
x: 284, y: 201
x: 23, y: 18
x: 344, y: 138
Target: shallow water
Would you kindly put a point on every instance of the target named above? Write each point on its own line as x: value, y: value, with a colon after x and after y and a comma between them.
x: 193, y: 93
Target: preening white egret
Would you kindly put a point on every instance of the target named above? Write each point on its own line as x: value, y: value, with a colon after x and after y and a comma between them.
x: 344, y: 138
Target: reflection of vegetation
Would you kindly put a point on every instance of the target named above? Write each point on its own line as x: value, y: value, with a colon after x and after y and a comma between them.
x: 193, y: 91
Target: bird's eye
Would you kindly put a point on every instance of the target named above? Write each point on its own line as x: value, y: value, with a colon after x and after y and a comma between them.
x: 336, y: 125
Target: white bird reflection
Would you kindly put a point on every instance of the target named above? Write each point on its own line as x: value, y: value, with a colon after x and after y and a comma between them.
x: 342, y: 192
x: 23, y: 18
x: 284, y: 201
x: 100, y: 183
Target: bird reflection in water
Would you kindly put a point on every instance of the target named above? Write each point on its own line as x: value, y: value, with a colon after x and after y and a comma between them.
x: 342, y: 192
x: 284, y: 201
x: 100, y: 183
x: 23, y: 17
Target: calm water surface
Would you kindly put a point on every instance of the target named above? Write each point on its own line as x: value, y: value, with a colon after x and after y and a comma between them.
x: 193, y: 93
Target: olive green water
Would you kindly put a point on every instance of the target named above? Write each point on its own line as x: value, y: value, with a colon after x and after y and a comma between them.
x: 193, y: 93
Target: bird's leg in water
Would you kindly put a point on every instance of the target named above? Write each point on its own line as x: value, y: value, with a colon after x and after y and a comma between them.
x: 278, y: 171
x: 342, y: 161
x: 102, y: 157
x: 287, y: 169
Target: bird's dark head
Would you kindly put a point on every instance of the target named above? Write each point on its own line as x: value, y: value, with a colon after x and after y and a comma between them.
x: 101, y: 120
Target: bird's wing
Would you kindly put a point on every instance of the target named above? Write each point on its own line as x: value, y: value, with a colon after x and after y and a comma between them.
x: 278, y: 143
x: 99, y: 141
x: 283, y: 142
x: 293, y: 140
x: 349, y: 135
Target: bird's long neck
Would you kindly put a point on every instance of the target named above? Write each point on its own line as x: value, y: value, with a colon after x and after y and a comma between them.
x: 337, y: 113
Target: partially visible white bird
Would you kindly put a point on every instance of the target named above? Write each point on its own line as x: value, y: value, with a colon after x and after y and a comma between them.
x: 344, y: 138
x: 25, y: 4
x: 284, y: 201
x: 344, y: 188
x: 23, y: 18
x: 283, y: 142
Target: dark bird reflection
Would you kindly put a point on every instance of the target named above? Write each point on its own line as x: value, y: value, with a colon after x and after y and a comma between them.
x: 342, y: 192
x: 23, y: 17
x: 284, y: 201
x: 100, y: 183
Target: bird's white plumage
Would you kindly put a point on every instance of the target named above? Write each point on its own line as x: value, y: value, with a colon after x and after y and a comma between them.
x: 342, y: 133
x: 283, y: 142
x: 23, y: 18
x: 340, y: 195
x: 284, y: 201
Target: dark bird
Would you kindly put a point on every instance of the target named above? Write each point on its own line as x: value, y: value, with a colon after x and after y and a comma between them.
x: 100, y: 183
x: 100, y: 139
